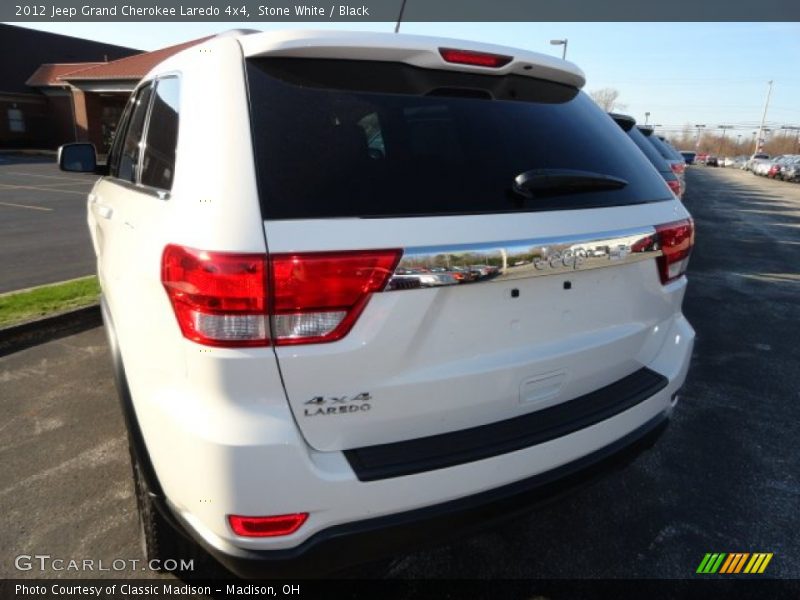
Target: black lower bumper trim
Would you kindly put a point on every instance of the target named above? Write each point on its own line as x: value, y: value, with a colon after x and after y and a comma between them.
x: 477, y: 443
x: 363, y: 541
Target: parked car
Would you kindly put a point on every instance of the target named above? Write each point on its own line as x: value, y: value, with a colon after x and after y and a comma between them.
x: 287, y: 405
x: 754, y: 160
x: 672, y: 156
x: 762, y: 166
x: 688, y: 156
x: 740, y: 162
x: 779, y: 165
x: 791, y: 172
x: 627, y: 123
x: 712, y: 161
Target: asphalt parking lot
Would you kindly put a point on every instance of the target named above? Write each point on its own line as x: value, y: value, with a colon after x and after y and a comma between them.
x: 43, y: 233
x: 723, y: 478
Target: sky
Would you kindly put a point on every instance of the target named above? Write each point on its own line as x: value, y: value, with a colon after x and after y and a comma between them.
x: 696, y: 73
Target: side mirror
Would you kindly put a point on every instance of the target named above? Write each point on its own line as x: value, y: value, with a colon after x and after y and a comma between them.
x: 77, y: 158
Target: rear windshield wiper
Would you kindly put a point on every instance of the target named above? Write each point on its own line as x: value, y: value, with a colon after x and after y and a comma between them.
x: 554, y: 182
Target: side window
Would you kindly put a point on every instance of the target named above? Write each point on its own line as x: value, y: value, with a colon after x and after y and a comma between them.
x: 158, y: 162
x: 16, y: 121
x: 132, y: 144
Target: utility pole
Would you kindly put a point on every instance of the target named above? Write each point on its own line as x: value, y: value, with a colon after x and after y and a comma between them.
x: 724, y: 131
x: 699, y: 132
x: 646, y: 117
x: 759, y: 141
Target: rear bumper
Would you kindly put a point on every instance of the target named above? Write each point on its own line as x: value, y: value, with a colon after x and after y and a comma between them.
x: 250, y: 463
x: 368, y: 540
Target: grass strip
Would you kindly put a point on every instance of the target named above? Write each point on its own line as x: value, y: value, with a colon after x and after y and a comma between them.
x: 34, y: 303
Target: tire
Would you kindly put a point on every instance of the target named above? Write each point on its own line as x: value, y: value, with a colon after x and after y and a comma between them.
x: 161, y: 542
x: 158, y: 538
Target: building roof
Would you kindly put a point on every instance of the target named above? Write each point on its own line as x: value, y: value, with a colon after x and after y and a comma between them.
x: 49, y: 73
x: 129, y: 68
x: 24, y: 50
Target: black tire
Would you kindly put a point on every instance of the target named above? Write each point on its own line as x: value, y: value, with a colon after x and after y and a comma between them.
x: 161, y: 542
x: 158, y: 538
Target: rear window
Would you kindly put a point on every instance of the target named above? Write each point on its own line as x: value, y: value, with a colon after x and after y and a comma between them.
x: 337, y: 138
x: 649, y: 150
x: 663, y: 149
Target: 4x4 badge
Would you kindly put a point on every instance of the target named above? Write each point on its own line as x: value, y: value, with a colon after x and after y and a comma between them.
x: 337, y: 405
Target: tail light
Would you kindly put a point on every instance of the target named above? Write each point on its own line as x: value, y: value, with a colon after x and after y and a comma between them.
x: 267, y: 526
x: 476, y: 59
x: 675, y: 186
x: 236, y: 300
x: 219, y: 299
x: 676, y: 241
x: 319, y: 296
x: 678, y: 167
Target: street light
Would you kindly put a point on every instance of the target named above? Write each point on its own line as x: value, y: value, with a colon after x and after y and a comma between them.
x: 561, y: 43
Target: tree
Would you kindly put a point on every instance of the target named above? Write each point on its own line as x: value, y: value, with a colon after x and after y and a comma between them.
x: 607, y: 99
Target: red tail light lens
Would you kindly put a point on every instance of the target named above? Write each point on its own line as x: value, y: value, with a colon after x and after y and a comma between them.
x: 678, y: 167
x: 223, y: 299
x: 477, y: 59
x: 266, y: 526
x: 219, y: 299
x: 675, y: 186
x: 676, y: 241
x: 318, y: 296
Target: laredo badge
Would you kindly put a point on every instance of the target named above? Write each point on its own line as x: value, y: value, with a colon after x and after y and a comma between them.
x: 337, y: 405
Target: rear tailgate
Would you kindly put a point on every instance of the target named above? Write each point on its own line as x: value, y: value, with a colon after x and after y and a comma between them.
x: 567, y: 297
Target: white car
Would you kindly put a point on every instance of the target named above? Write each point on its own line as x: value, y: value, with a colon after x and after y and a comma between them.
x: 286, y: 404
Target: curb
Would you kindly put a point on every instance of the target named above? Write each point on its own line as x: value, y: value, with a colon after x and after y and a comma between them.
x: 18, y: 337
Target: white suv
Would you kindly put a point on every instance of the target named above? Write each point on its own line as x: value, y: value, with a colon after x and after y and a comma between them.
x: 294, y: 391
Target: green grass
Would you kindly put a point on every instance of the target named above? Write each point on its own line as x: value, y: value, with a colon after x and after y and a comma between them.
x: 17, y: 307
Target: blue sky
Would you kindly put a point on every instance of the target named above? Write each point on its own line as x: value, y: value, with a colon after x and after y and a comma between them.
x: 709, y: 73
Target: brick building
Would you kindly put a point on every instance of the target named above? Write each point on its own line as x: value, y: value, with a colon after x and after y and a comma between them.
x: 60, y: 89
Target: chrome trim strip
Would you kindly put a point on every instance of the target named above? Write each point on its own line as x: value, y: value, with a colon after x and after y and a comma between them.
x: 435, y: 266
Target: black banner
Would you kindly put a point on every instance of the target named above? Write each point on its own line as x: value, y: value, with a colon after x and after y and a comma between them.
x: 161, y: 589
x: 256, y: 11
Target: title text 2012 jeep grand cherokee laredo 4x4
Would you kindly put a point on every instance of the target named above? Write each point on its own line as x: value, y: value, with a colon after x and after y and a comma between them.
x: 293, y: 388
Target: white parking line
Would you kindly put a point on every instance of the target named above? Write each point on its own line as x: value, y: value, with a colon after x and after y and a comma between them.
x: 39, y: 175
x: 5, y: 186
x: 25, y: 206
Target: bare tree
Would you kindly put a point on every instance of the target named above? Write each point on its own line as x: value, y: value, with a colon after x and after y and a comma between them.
x: 607, y: 99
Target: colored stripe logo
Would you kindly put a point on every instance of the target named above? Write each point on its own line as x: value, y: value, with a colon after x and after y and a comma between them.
x: 734, y: 563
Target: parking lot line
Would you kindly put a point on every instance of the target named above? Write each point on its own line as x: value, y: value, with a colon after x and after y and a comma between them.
x: 40, y: 175
x: 6, y: 186
x: 26, y: 206
x: 54, y: 185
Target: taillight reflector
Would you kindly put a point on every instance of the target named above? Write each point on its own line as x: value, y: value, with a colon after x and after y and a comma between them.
x: 477, y: 59
x: 223, y: 299
x: 678, y: 167
x: 266, y: 526
x: 675, y: 186
x: 676, y: 241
